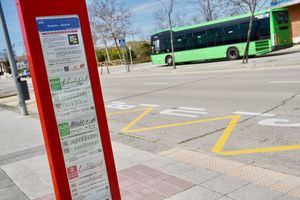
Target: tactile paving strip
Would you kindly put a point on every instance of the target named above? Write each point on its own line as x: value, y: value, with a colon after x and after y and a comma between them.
x: 142, y: 182
x: 267, y: 178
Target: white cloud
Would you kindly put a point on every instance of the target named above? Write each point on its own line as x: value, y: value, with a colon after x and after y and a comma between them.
x: 146, y: 8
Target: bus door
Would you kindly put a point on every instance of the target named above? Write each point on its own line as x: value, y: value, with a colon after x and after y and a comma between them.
x: 282, y: 28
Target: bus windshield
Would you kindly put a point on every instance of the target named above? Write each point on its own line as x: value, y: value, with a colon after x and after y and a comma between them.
x: 282, y: 17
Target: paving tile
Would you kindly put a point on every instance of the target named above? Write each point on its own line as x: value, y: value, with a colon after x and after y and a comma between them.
x: 287, y: 197
x: 7, y: 161
x: 32, y: 176
x: 12, y: 193
x: 199, y: 176
x: 47, y: 197
x: 224, y: 184
x: 286, y: 185
x: 5, y: 183
x: 178, y: 168
x: 251, y: 192
x: 160, y: 162
x: 295, y: 193
x: 225, y: 198
x: 150, y: 184
x: 25, y: 136
x: 178, y: 183
x: 165, y: 188
x: 196, y: 193
x: 2, y: 174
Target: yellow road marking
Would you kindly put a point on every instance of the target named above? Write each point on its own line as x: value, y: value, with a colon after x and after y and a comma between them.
x: 178, y: 124
x: 136, y: 120
x: 225, y: 136
x: 219, y: 146
x: 126, y: 130
x: 146, y: 111
x: 260, y: 150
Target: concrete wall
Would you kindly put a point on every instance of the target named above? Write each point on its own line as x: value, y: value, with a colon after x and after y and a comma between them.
x: 294, y: 11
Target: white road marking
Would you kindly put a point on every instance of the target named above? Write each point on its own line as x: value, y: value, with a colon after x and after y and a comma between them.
x: 253, y: 114
x: 149, y: 105
x: 118, y: 102
x: 120, y: 106
x: 185, y: 112
x: 284, y: 82
x: 278, y: 123
x: 155, y: 83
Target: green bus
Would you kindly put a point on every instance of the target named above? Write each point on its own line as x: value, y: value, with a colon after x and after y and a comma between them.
x: 224, y: 38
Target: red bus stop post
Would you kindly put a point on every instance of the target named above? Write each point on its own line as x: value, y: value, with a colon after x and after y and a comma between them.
x: 29, y: 12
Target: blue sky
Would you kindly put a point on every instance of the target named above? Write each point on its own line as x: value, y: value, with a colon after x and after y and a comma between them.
x: 143, y: 18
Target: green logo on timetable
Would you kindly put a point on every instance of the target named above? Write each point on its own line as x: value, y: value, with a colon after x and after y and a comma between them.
x: 55, y: 84
x: 64, y: 129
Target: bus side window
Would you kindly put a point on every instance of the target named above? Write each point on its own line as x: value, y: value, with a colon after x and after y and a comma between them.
x: 244, y: 27
x: 214, y: 37
x: 255, y: 34
x: 231, y: 34
x: 179, y: 43
x: 219, y: 40
x: 190, y: 44
x: 244, y: 31
x: 200, y: 39
x: 264, y: 28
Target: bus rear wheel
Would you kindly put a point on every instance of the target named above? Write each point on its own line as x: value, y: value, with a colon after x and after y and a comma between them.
x: 169, y: 60
x: 233, y: 53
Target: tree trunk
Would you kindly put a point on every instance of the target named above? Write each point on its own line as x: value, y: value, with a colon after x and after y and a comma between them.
x: 246, y: 54
x: 209, y: 11
x: 106, y: 50
x: 118, y: 48
x: 172, y: 41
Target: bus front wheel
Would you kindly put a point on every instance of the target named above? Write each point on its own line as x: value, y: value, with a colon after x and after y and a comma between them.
x: 169, y: 60
x: 233, y: 53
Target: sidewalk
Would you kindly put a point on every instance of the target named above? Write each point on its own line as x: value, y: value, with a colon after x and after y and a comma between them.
x: 175, y: 174
x: 7, y: 88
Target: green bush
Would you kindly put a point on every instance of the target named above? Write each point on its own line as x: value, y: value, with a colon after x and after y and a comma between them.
x: 100, y: 55
x: 140, y: 52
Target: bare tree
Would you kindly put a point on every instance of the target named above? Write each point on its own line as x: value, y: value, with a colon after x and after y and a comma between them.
x: 250, y: 6
x: 100, y: 35
x: 214, y: 9
x: 207, y: 9
x: 162, y: 22
x: 180, y: 19
x: 168, y: 8
x: 160, y: 18
x: 112, y: 18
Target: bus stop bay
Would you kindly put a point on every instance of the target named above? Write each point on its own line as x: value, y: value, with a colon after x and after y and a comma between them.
x: 174, y: 122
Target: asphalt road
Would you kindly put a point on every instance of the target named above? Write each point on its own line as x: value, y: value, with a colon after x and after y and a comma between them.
x: 250, y: 115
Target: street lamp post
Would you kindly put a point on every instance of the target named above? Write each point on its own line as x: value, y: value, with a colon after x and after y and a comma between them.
x: 12, y: 61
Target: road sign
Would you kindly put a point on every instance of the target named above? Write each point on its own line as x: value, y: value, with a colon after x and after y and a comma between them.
x: 122, y: 43
x: 66, y: 81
